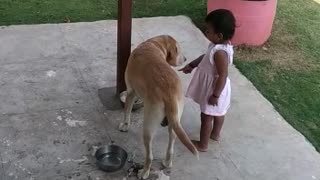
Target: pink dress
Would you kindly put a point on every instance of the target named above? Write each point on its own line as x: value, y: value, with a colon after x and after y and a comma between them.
x: 203, y: 81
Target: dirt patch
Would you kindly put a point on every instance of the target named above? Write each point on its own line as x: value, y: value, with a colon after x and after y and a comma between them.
x: 281, y: 49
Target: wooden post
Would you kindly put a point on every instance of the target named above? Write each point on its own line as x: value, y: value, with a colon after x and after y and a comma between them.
x: 124, y: 41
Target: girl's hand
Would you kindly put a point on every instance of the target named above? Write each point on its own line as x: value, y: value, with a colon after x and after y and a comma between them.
x: 213, y: 100
x: 187, y: 69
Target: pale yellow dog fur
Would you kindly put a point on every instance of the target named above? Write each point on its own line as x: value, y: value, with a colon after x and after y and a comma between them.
x: 150, y: 77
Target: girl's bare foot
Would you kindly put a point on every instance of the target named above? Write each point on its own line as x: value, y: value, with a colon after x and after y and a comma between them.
x: 214, y: 137
x: 199, y: 147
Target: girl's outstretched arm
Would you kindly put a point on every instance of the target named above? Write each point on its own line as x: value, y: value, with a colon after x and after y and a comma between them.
x: 196, y: 62
x: 189, y: 67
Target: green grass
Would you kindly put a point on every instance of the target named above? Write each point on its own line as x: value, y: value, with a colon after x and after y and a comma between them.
x: 55, y: 11
x: 293, y: 86
x: 288, y: 73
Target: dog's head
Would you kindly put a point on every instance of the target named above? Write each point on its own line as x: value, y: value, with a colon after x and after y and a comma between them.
x: 171, y: 49
x: 174, y: 52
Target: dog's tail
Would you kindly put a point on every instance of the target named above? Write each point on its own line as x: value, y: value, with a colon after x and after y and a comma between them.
x: 172, y: 116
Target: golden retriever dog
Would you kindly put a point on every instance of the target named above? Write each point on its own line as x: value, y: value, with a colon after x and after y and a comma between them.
x: 149, y: 76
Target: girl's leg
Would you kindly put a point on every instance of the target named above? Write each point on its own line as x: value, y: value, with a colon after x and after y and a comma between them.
x: 217, y: 126
x: 206, y: 129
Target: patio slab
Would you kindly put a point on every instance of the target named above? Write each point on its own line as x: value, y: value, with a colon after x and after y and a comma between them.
x: 54, y: 78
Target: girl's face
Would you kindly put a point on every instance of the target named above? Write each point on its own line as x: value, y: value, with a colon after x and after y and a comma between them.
x: 214, y: 37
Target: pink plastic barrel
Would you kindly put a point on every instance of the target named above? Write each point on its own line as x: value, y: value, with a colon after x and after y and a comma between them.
x: 254, y: 19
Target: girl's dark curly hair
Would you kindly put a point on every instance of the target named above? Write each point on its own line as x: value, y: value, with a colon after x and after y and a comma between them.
x: 222, y: 21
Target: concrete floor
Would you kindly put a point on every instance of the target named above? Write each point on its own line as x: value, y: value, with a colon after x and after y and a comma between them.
x: 52, y: 117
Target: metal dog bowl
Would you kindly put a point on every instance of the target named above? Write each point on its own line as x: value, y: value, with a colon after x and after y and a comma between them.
x: 111, y: 158
x: 136, y: 105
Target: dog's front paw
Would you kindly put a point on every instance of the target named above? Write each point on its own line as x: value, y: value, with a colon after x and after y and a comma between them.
x: 167, y: 164
x: 124, y: 127
x: 143, y: 174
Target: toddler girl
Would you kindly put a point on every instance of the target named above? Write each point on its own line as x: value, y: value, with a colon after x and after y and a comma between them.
x: 210, y: 86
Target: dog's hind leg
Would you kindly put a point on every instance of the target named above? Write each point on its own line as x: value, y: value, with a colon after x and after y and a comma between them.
x: 167, y: 162
x: 147, y: 139
x: 153, y: 115
x: 131, y: 97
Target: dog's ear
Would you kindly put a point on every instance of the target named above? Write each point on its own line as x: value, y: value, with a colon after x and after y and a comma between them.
x: 172, y: 55
x: 172, y: 52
